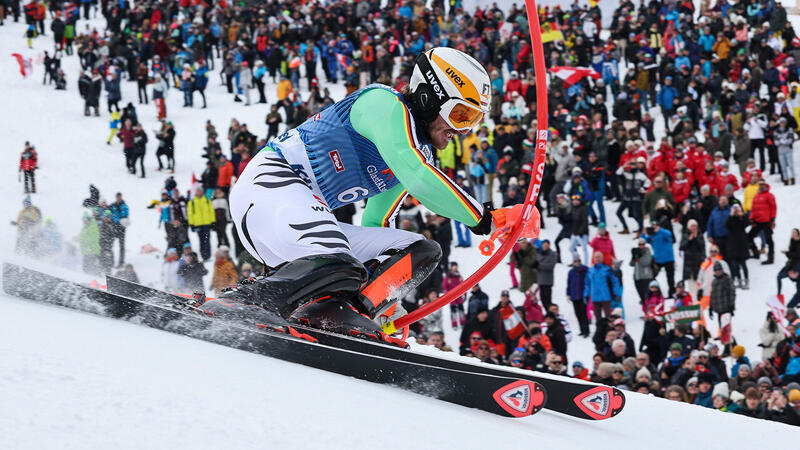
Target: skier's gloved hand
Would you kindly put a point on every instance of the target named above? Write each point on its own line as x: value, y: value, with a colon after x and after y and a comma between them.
x: 484, y: 227
x: 508, y: 216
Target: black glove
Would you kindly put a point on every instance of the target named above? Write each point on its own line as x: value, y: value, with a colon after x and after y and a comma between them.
x: 484, y: 227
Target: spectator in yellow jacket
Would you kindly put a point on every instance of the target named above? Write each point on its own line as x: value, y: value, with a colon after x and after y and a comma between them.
x: 284, y: 88
x: 201, y: 217
x: 749, y: 193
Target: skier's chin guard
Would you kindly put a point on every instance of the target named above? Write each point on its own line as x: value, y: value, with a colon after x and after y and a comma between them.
x: 397, y: 275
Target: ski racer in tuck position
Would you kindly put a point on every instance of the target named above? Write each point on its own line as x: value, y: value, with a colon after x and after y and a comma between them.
x: 376, y: 144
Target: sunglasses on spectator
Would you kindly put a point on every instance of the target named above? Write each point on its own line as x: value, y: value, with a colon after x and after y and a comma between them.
x: 691, y: 385
x: 483, y: 347
x: 619, y: 371
x: 475, y: 338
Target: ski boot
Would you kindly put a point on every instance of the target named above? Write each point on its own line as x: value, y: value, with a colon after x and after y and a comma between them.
x: 392, y: 276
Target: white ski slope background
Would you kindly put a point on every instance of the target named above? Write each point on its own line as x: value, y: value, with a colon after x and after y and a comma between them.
x: 71, y: 380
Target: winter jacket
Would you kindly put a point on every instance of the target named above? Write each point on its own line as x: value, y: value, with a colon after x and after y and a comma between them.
x: 113, y: 89
x: 651, y: 200
x: 723, y: 296
x: 704, y: 399
x: 661, y: 241
x: 653, y: 302
x: 450, y: 281
x: 525, y: 261
x: 716, y: 222
x: 601, y: 284
x: 169, y: 275
x: 192, y: 274
x: 769, y: 340
x: 694, y: 250
x: 546, y: 262
x: 477, y: 300
x: 604, y: 245
x: 200, y: 211
x: 28, y: 160
x: 764, y: 207
x: 576, y: 282
x: 642, y: 263
x: 89, y: 239
x: 119, y: 211
x: 737, y: 236
x: 580, y: 220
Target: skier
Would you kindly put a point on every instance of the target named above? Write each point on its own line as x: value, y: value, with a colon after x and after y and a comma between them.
x: 376, y: 143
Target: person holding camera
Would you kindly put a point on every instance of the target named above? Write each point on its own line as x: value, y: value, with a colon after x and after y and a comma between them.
x: 663, y: 254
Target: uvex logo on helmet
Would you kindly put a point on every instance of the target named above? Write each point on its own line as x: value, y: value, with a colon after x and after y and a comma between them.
x: 435, y: 84
x: 454, y: 76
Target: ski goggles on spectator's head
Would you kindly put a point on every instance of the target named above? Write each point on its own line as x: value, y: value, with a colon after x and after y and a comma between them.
x: 460, y: 115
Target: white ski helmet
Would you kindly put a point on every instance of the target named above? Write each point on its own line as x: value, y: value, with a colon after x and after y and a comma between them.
x: 452, y: 84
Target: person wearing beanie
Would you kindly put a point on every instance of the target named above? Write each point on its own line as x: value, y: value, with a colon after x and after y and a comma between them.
x: 579, y: 371
x: 792, y: 372
x: 743, y: 375
x: 704, y: 395
x: 794, y: 398
x: 738, y: 352
x: 720, y: 399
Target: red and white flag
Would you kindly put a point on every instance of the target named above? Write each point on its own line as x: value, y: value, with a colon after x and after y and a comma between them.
x: 572, y: 75
x: 25, y: 65
x: 342, y: 59
x: 512, y: 321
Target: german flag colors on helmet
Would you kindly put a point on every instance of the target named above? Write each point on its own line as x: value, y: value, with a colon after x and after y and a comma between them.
x: 459, y: 87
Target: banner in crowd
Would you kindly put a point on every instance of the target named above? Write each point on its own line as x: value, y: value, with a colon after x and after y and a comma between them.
x: 684, y: 314
x: 550, y: 33
x: 778, y: 309
x: 572, y: 75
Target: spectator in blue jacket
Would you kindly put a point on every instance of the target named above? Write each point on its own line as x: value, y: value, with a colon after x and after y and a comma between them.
x: 665, y: 97
x: 602, y: 287
x: 576, y: 283
x: 715, y: 228
x: 478, y: 301
x: 120, y: 221
x: 663, y: 253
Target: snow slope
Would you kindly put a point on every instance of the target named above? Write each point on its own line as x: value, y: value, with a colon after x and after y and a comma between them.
x: 71, y: 380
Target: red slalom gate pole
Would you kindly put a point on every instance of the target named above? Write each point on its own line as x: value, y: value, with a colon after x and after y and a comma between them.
x: 540, y: 73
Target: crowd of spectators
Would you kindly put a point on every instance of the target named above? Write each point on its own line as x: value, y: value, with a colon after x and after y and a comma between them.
x: 686, y: 119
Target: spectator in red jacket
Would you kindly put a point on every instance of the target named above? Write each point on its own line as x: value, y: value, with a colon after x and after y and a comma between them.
x: 680, y: 187
x: 602, y: 243
x: 514, y: 84
x: 660, y: 161
x: 243, y: 163
x: 126, y: 135
x: 27, y: 165
x: 762, y: 217
x: 698, y: 161
x: 725, y: 177
x: 225, y: 174
x: 708, y: 176
x: 750, y: 172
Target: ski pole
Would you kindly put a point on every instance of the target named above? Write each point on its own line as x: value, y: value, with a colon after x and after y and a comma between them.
x: 540, y: 74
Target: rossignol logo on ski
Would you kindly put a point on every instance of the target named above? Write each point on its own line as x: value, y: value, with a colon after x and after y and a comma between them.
x: 337, y: 160
x: 600, y: 403
x: 520, y: 398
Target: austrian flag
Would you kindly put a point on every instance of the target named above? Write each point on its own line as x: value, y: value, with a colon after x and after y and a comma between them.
x: 572, y: 75
x: 512, y: 321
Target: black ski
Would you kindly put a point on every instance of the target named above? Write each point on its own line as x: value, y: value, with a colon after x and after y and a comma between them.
x: 507, y: 395
x: 565, y: 395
